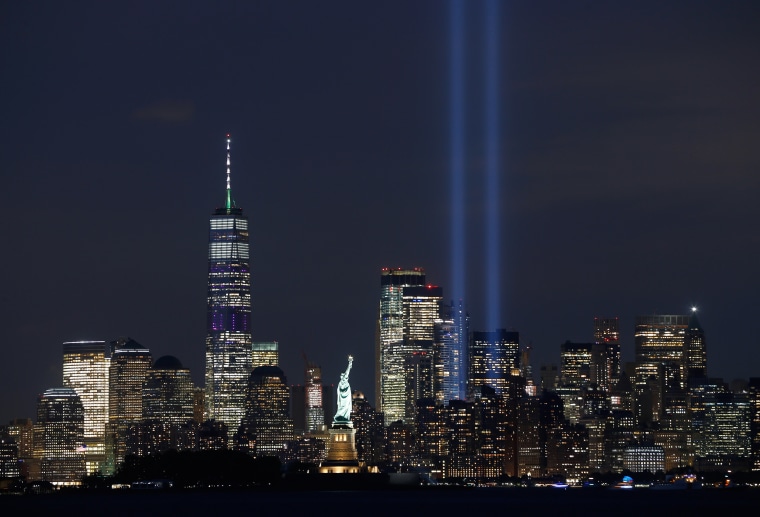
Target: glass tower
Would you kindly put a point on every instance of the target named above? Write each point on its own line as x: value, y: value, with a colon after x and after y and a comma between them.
x: 129, y: 365
x: 493, y: 359
x: 60, y: 418
x: 85, y: 370
x: 167, y: 393
x: 228, y: 339
x: 389, y: 347
x: 660, y: 340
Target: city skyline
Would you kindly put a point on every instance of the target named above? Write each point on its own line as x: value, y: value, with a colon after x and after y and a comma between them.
x: 627, y: 174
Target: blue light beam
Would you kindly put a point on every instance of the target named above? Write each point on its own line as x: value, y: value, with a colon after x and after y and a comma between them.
x: 492, y: 129
x: 457, y: 147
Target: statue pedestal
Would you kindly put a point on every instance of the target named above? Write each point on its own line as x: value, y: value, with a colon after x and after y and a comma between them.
x: 341, y: 452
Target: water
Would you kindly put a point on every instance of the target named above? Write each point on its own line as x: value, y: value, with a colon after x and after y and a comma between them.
x: 425, y: 502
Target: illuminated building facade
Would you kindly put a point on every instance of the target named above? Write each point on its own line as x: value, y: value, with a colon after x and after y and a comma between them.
x: 493, y: 358
x: 390, y: 341
x: 167, y: 394
x: 575, y: 364
x: 464, y: 430
x: 85, y: 370
x: 607, y: 334
x: 60, y: 418
x: 421, y: 307
x: 9, y: 461
x: 315, y: 411
x: 127, y: 372
x: 660, y: 339
x: 418, y: 374
x: 449, y: 354
x: 266, y: 427
x: 695, y: 349
x: 638, y: 458
x: 370, y: 430
x: 727, y: 424
x: 754, y: 427
x: 228, y: 338
x: 265, y: 353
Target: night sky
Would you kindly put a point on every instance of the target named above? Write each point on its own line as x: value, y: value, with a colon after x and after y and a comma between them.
x: 630, y: 172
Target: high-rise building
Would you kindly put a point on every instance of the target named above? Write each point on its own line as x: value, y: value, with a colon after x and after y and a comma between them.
x: 389, y: 345
x: 727, y: 425
x: 370, y: 431
x: 228, y: 338
x: 129, y: 364
x: 450, y: 354
x: 85, y: 370
x: 422, y: 309
x: 9, y: 459
x: 575, y: 363
x: 607, y: 338
x: 265, y: 353
x: 315, y: 411
x: 660, y: 339
x: 167, y: 394
x: 418, y: 375
x: 60, y: 418
x: 695, y: 349
x: 493, y: 359
x: 266, y: 427
x: 754, y: 416
x: 447, y: 361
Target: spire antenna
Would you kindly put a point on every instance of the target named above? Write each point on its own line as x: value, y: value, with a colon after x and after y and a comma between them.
x: 229, y: 202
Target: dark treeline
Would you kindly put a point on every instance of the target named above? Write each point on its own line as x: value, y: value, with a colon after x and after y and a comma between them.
x: 221, y: 468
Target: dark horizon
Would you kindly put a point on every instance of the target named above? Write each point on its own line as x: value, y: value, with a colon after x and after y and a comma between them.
x: 628, y: 171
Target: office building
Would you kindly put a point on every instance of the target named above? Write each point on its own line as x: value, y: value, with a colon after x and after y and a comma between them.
x: 127, y: 372
x: 266, y: 427
x: 265, y: 353
x: 640, y: 458
x: 390, y: 345
x: 493, y: 360
x: 370, y: 430
x: 418, y: 375
x: 60, y: 420
x: 228, y: 338
x: 660, y: 340
x: 167, y: 394
x: 753, y: 396
x: 10, y: 467
x: 313, y: 403
x: 607, y: 339
x: 695, y: 349
x: 85, y: 370
x: 576, y: 364
x: 449, y: 354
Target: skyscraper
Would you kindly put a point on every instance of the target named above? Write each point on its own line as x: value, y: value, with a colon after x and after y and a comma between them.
x: 168, y: 392
x: 607, y: 334
x: 449, y: 355
x: 315, y: 412
x: 660, y: 340
x: 266, y: 427
x: 493, y: 357
x: 60, y: 418
x: 695, y: 349
x: 265, y: 353
x: 389, y: 346
x: 228, y: 338
x: 129, y: 364
x: 85, y: 370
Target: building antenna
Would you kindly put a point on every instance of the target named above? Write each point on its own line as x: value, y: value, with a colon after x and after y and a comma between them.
x: 229, y: 203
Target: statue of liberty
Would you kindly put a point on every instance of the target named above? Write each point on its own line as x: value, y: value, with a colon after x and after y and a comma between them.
x: 343, y: 415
